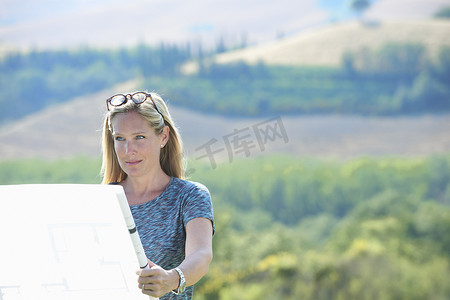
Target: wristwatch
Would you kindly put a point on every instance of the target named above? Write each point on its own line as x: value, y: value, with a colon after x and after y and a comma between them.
x: 182, y: 285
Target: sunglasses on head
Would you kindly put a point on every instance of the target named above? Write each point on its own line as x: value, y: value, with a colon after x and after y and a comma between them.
x: 137, y: 98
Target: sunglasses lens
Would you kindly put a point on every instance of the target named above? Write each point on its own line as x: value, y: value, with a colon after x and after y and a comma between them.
x: 117, y: 100
x: 139, y: 97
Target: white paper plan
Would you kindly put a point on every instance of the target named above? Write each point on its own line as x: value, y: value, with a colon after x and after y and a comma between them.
x: 65, y: 242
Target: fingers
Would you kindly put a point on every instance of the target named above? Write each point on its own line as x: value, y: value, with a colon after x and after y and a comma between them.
x: 147, y: 270
x: 150, y: 263
x: 152, y: 272
x: 151, y: 289
x: 151, y: 280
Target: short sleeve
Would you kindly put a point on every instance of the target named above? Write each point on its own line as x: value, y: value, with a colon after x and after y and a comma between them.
x: 198, y: 204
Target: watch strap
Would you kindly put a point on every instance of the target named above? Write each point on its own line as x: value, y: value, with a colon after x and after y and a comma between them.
x: 182, y: 283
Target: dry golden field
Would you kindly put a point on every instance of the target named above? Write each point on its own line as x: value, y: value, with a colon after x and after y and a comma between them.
x: 325, y: 46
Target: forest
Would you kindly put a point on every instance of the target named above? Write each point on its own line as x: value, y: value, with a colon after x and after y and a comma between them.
x: 396, y: 79
x: 293, y: 228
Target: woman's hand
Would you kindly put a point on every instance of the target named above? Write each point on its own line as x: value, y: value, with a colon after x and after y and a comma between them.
x: 158, y: 282
x: 155, y: 281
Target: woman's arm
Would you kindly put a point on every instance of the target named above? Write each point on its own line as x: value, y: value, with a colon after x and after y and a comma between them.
x: 198, y: 250
x: 198, y: 255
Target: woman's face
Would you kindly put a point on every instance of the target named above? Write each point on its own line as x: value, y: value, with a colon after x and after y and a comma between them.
x: 136, y: 143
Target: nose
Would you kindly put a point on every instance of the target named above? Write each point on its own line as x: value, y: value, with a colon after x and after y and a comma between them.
x: 130, y: 148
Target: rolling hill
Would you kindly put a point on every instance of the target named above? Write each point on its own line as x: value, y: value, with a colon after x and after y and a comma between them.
x: 74, y: 128
x: 325, y: 46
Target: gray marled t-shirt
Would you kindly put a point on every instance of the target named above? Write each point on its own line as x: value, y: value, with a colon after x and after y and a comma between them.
x: 161, y: 223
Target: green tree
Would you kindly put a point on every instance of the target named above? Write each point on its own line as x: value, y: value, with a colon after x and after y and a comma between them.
x: 443, y: 13
x: 359, y: 6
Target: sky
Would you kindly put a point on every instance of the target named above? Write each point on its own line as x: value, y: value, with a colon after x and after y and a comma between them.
x: 55, y: 23
x: 14, y: 12
x: 17, y: 11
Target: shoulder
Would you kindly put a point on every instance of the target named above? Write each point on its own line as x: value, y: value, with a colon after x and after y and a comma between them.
x: 195, y: 201
x: 189, y: 187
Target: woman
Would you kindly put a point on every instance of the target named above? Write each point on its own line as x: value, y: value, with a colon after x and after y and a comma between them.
x: 142, y: 151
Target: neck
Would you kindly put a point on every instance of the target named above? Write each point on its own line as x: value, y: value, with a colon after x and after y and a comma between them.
x: 144, y: 189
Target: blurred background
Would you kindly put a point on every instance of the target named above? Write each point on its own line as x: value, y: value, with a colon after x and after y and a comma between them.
x: 320, y: 127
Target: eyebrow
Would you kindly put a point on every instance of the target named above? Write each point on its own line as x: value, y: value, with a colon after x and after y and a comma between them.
x: 134, y: 133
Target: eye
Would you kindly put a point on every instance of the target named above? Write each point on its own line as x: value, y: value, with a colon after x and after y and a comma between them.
x: 118, y: 138
x: 140, y: 137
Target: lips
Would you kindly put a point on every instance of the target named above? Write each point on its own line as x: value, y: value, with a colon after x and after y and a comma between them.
x: 133, y: 162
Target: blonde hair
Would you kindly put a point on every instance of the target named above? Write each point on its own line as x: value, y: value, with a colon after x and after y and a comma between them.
x: 171, y: 157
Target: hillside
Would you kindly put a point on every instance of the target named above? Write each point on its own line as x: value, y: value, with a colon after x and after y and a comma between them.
x: 74, y: 128
x: 325, y: 46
